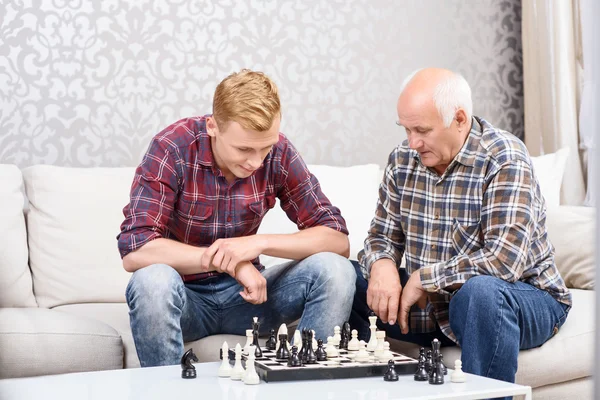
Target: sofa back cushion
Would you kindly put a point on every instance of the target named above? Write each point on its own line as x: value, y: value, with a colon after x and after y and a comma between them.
x: 15, y: 277
x: 73, y: 221
x: 572, y: 232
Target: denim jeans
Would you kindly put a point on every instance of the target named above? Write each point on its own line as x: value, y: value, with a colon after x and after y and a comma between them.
x: 491, y: 318
x: 165, y: 312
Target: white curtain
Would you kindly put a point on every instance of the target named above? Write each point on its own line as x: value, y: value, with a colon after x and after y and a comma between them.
x: 589, y: 113
x: 550, y: 87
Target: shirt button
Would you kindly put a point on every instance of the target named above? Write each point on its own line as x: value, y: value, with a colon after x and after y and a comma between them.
x: 433, y: 247
x: 437, y: 216
x: 229, y: 219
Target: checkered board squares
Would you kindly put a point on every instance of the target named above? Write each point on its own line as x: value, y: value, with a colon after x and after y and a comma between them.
x: 272, y: 370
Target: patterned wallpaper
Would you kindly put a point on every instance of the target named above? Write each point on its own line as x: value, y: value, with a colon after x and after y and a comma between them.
x: 88, y: 83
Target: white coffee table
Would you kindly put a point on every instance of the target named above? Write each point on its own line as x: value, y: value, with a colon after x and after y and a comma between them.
x: 166, y: 383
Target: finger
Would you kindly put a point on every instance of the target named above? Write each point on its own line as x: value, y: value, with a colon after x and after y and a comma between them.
x: 382, y: 306
x: 422, y: 303
x: 231, y: 268
x: 393, y: 308
x: 403, y: 315
x: 246, y: 296
x: 218, y: 259
x: 208, y: 255
x: 225, y: 263
x: 370, y: 299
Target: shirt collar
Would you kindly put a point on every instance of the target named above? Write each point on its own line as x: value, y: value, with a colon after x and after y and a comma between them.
x: 466, y: 155
x: 205, y: 155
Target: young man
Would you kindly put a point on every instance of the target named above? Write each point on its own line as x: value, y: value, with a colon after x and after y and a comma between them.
x: 189, y: 234
x: 460, y: 200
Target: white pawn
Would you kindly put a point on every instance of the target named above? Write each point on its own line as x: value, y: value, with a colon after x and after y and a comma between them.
x: 225, y: 368
x: 251, y: 377
x: 249, y: 339
x: 380, y: 335
x: 297, y: 340
x: 337, y: 337
x: 458, y: 376
x: 330, y: 349
x: 387, y: 354
x: 314, y: 341
x: 353, y: 343
x: 363, y: 354
x: 237, y: 372
x: 372, y: 345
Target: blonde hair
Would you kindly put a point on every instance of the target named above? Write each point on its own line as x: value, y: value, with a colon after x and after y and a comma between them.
x: 249, y: 98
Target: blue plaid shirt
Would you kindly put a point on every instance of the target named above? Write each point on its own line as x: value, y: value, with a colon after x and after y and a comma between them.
x: 484, y: 216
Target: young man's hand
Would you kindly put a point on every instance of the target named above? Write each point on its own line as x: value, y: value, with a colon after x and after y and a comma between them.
x: 383, y: 293
x: 255, y: 285
x: 225, y: 254
x: 413, y: 293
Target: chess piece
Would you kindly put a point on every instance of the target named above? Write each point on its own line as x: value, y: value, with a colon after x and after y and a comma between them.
x: 251, y: 377
x: 249, y: 338
x: 428, y: 362
x: 436, y: 375
x: 458, y: 376
x: 310, y: 356
x: 298, y: 341
x: 281, y: 331
x: 320, y: 352
x: 188, y: 371
x: 390, y: 375
x: 271, y: 343
x: 337, y: 337
x: 421, y: 374
x: 363, y: 354
x: 237, y: 373
x: 294, y: 360
x: 314, y: 339
x: 225, y: 368
x: 257, y: 349
x: 380, y: 335
x: 372, y: 345
x: 282, y: 353
x: 387, y: 354
x: 345, y: 336
x: 353, y: 343
x: 444, y: 369
x: 330, y: 349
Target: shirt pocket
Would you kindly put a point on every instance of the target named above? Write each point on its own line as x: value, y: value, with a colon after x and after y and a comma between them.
x: 194, y: 213
x: 466, y: 239
x: 258, y: 209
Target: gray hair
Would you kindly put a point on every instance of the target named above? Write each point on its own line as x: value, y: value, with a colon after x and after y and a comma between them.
x: 449, y: 95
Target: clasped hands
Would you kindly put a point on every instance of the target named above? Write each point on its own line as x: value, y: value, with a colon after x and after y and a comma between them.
x: 386, y: 297
x: 234, y: 256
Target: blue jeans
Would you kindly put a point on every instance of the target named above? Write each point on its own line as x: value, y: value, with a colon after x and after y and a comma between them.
x: 491, y: 318
x: 165, y: 312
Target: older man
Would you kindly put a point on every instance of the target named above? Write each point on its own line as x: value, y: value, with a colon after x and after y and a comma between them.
x: 461, y: 201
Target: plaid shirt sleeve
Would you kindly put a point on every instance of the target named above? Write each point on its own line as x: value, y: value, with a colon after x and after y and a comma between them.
x: 507, y: 224
x: 152, y: 197
x: 301, y: 196
x: 385, y: 238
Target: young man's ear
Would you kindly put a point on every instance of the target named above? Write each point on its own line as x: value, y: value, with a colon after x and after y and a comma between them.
x: 211, y: 126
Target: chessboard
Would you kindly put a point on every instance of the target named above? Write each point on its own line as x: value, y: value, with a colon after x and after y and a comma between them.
x: 270, y: 369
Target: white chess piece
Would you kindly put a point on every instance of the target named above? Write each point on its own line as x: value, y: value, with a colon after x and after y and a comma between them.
x: 387, y: 354
x: 380, y: 335
x: 330, y: 348
x: 237, y: 372
x: 251, y: 377
x: 458, y: 376
x: 353, y: 343
x: 297, y: 340
x: 314, y: 341
x: 363, y: 354
x: 225, y: 368
x: 249, y: 338
x: 337, y: 337
x: 372, y: 345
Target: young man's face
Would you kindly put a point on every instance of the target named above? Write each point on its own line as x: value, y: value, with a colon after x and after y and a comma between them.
x: 239, y: 152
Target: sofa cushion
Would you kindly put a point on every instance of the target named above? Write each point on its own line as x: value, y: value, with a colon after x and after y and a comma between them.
x: 549, y: 170
x: 567, y: 356
x: 354, y: 190
x: 15, y: 277
x: 74, y: 218
x: 37, y: 341
x: 572, y: 232
x: 117, y: 316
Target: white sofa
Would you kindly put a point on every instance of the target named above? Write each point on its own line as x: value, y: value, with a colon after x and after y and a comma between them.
x: 62, y: 284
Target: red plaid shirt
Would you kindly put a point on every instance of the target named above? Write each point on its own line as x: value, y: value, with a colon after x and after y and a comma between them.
x: 179, y: 193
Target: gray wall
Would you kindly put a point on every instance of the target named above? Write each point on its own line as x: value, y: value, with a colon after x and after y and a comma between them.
x: 88, y: 83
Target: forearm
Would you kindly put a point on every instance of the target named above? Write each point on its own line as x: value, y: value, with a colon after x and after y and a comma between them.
x: 307, y: 242
x: 182, y: 257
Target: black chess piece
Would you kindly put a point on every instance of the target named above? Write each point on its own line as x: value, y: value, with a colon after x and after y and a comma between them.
x: 188, y: 371
x: 421, y: 374
x: 428, y: 362
x: 294, y: 360
x: 320, y: 352
x: 390, y: 375
x: 311, y: 357
x: 436, y: 376
x: 282, y: 353
x: 271, y: 343
x: 345, y: 336
x: 257, y: 349
x: 444, y: 369
x: 304, y: 349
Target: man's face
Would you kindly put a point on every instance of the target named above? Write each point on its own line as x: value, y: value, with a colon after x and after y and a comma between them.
x: 239, y: 152
x: 436, y: 144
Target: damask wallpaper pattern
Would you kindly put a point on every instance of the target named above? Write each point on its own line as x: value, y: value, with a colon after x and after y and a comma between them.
x: 88, y: 83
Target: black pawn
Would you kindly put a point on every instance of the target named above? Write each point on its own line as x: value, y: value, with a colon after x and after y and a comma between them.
x: 294, y: 360
x: 283, y: 353
x: 421, y: 375
x: 390, y: 375
x: 444, y: 369
x: 311, y: 357
x: 436, y: 376
x: 188, y: 371
x: 428, y: 362
x: 320, y: 353
x: 271, y: 342
x: 304, y: 350
x: 345, y: 336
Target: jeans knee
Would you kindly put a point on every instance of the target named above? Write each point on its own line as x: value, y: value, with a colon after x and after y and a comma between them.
x: 336, y: 272
x: 155, y: 281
